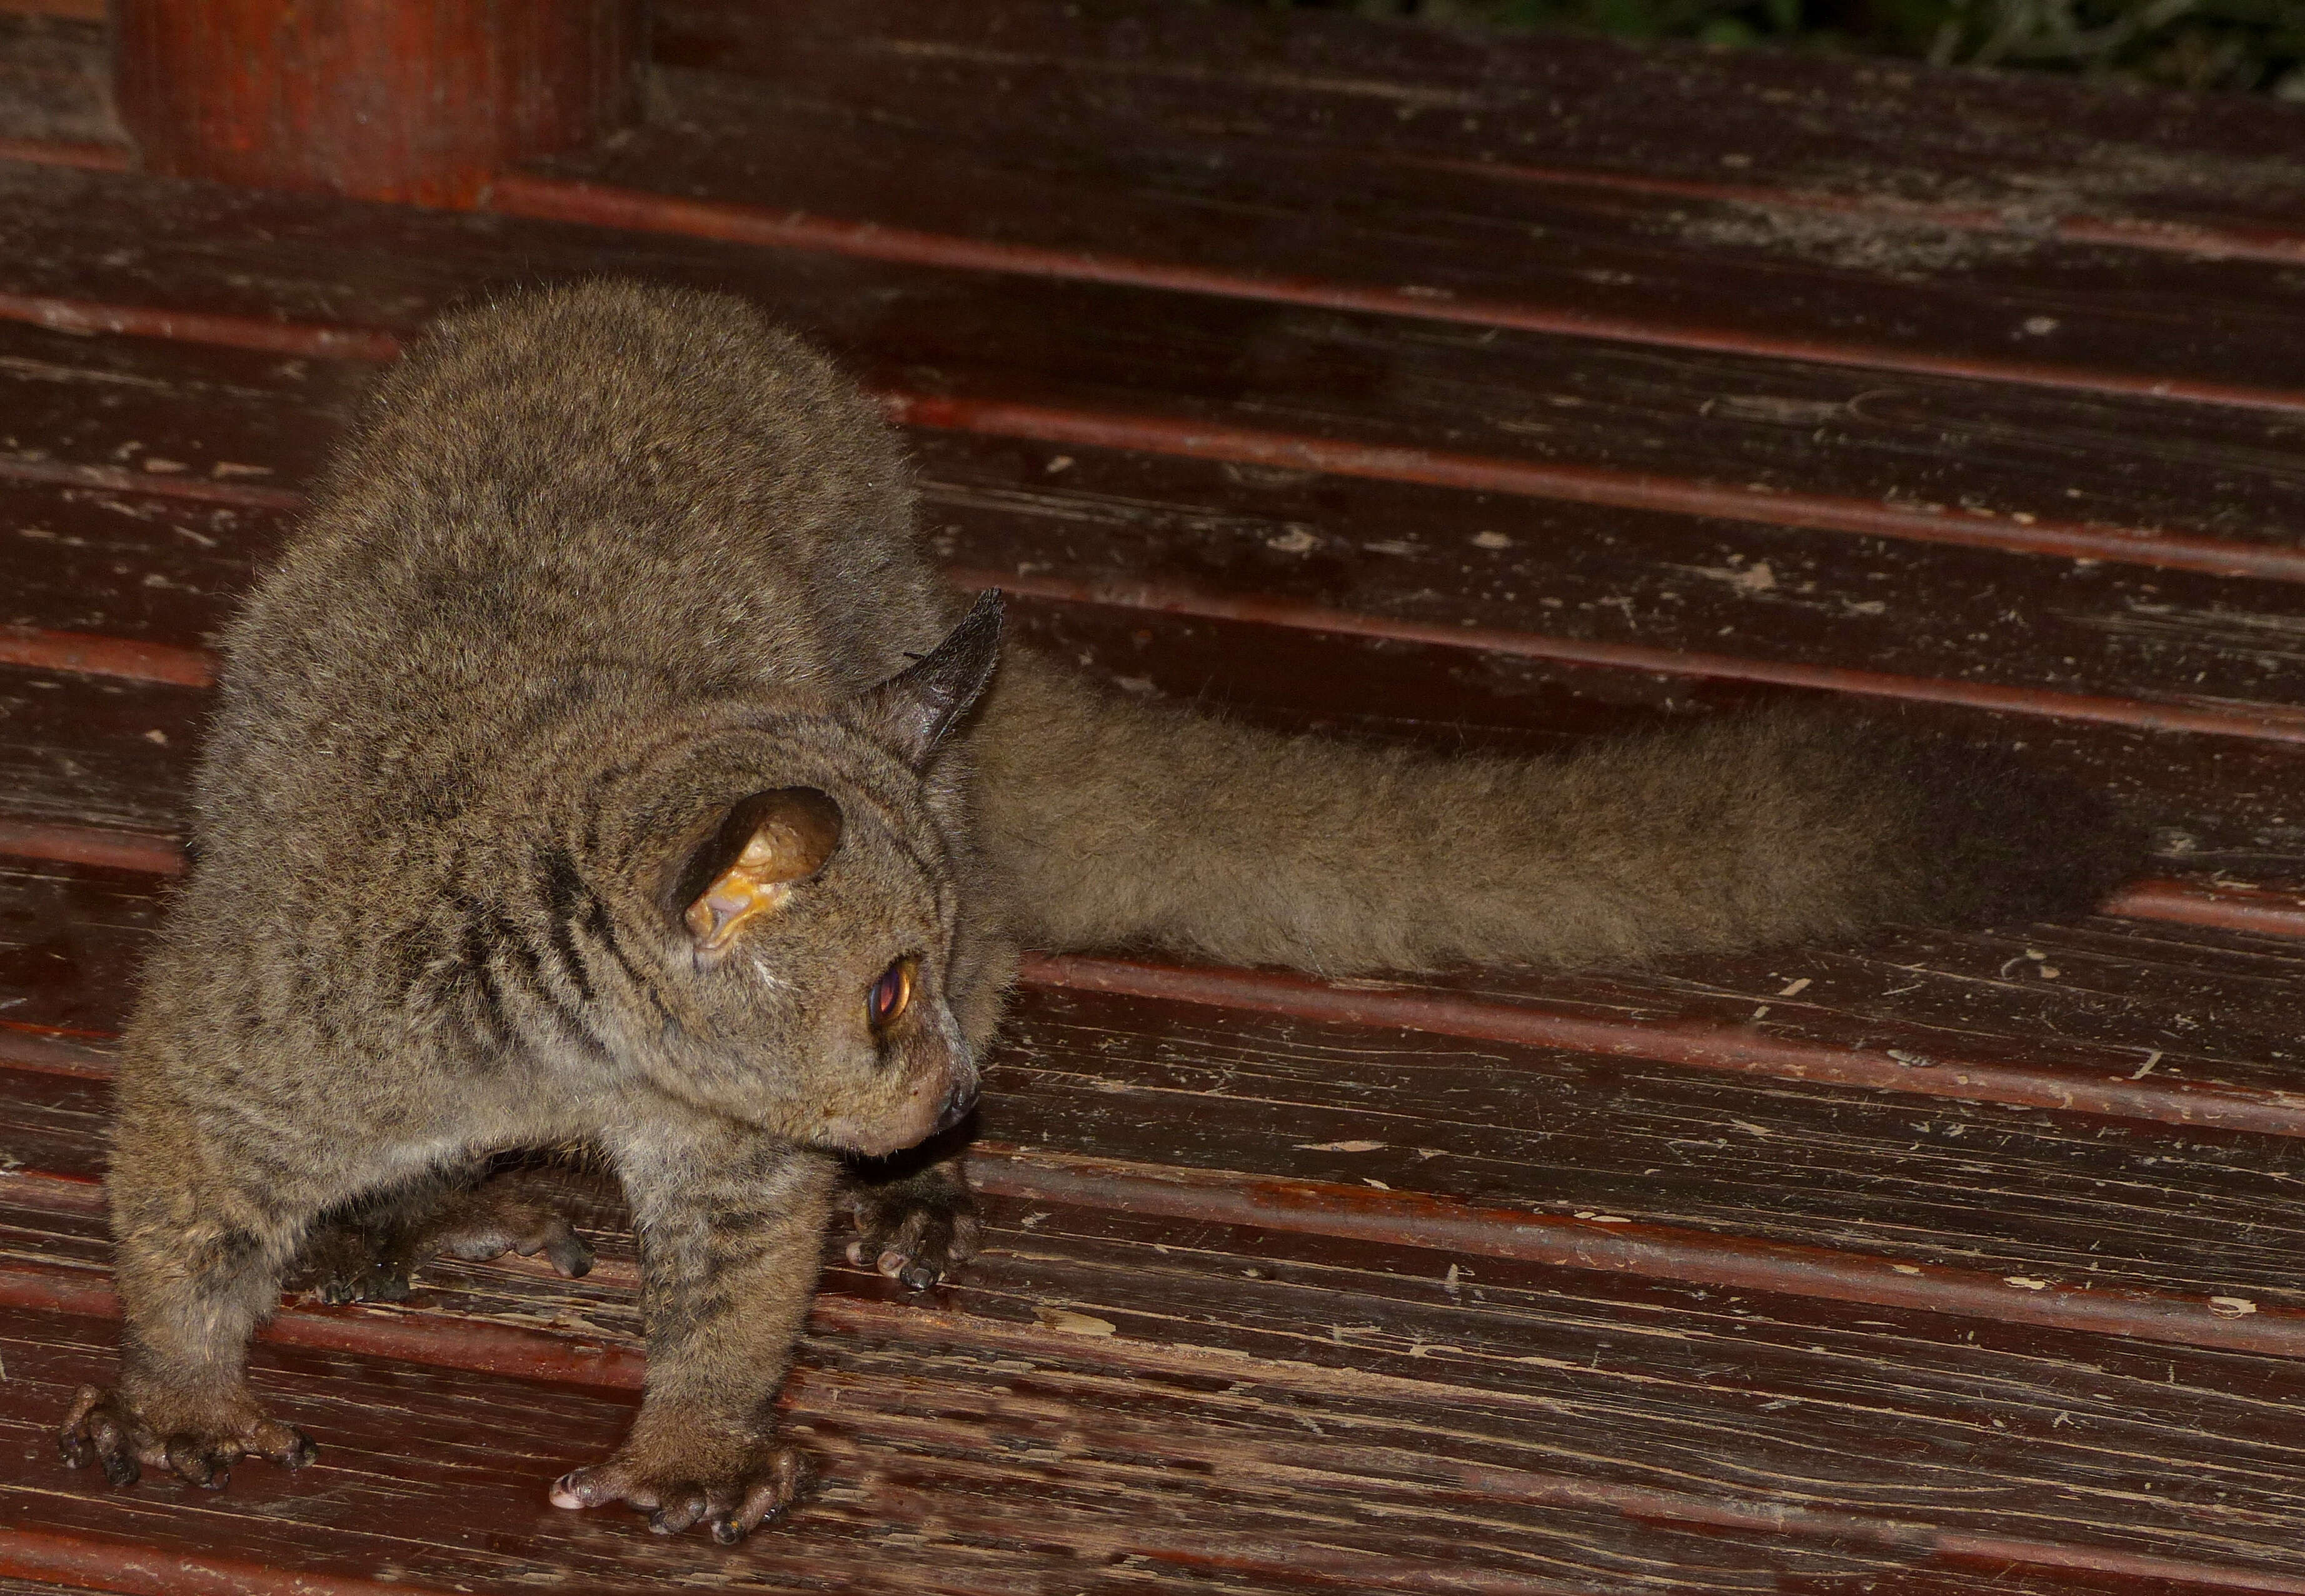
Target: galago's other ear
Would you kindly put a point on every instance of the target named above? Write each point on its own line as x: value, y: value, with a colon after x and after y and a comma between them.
x: 913, y: 709
x: 747, y: 867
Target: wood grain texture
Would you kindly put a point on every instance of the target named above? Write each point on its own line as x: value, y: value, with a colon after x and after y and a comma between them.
x: 238, y: 267
x: 1235, y: 1495
x: 1974, y: 152
x: 153, y: 565
x: 171, y: 416
x: 1124, y: 1338
x: 72, y: 939
x: 1486, y: 565
x: 1165, y: 204
x: 2218, y: 804
x: 2016, y: 152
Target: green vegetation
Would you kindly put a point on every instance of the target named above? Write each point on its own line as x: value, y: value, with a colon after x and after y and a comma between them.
x: 2187, y: 43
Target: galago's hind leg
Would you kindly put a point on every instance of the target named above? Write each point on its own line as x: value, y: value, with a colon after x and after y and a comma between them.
x: 198, y: 1268
x: 367, y: 1251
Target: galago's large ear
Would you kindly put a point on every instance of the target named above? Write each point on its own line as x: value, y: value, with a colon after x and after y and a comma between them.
x: 747, y: 867
x: 913, y: 709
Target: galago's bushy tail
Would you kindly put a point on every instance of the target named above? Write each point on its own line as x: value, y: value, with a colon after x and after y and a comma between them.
x: 1117, y: 824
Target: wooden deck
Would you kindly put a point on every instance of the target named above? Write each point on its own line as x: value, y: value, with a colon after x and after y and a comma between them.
x: 1402, y: 386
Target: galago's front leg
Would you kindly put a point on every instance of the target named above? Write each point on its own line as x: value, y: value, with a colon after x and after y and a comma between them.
x: 731, y: 1228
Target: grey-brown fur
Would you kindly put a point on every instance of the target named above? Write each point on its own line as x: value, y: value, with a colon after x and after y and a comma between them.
x: 1737, y: 833
x: 617, y: 578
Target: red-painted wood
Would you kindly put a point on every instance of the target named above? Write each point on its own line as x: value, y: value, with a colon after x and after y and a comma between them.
x: 230, y: 332
x: 1976, y: 527
x: 54, y: 152
x: 105, y: 657
x: 417, y: 100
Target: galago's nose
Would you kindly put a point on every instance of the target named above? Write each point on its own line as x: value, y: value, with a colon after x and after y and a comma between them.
x: 956, y: 1106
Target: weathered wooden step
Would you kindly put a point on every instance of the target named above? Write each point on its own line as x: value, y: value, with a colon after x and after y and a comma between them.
x: 1450, y: 241
x: 2026, y: 153
x: 1190, y: 373
x: 1708, y: 599
x: 1517, y: 1393
x: 1105, y: 520
x: 957, y: 1471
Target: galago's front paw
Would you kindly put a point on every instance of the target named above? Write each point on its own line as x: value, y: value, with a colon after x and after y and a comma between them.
x: 734, y: 1496
x: 105, y: 1427
x: 919, y: 1229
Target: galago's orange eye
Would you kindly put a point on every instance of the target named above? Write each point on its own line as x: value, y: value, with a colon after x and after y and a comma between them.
x: 891, y: 996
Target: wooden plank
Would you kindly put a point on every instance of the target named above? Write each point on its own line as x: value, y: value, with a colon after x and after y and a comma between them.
x: 2219, y: 808
x: 2183, y: 1026
x: 94, y: 751
x: 169, y: 415
x: 1576, y: 1135
x: 1969, y: 152
x: 2180, y: 1024
x: 1105, y: 515
x: 141, y: 568
x: 2199, y: 1010
x: 1066, y: 190
x: 1126, y: 1484
x: 2018, y: 153
x: 2220, y: 804
x: 1179, y: 373
x: 1514, y: 1389
x: 54, y: 1126
x: 72, y: 938
x: 2222, y: 808
x: 1524, y: 577
x: 1137, y: 527
x: 1396, y: 558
